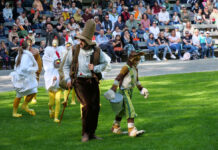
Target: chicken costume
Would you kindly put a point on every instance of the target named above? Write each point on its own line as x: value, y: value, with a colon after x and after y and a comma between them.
x: 51, y: 63
x: 24, y: 79
x: 126, y: 81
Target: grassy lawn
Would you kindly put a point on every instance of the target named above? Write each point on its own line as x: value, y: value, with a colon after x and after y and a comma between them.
x: 180, y: 114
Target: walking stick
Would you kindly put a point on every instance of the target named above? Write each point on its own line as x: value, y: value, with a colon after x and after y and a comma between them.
x: 65, y: 105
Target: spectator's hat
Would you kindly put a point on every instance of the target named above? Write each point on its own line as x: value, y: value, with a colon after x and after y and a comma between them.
x: 155, y: 22
x: 208, y: 32
x: 125, y: 7
x: 163, y: 6
x: 135, y: 56
x: 146, y: 29
x: 202, y: 32
x: 66, y: 10
x: 186, y: 32
x: 88, y: 32
x: 30, y: 32
x: 183, y: 6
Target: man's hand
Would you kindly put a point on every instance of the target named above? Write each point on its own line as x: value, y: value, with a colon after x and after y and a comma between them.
x: 69, y: 84
x: 91, y: 67
x: 145, y: 93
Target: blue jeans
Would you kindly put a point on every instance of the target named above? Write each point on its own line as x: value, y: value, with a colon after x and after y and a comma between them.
x: 208, y: 50
x: 190, y: 48
x: 154, y: 48
x: 166, y: 48
x: 203, y: 50
x: 176, y: 47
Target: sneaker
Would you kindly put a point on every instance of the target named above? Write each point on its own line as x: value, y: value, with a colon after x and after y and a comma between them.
x: 158, y: 59
x: 133, y: 132
x: 173, y: 56
x: 213, y: 57
x: 164, y: 59
x: 116, y: 129
x: 181, y: 58
x: 155, y: 56
x: 176, y: 51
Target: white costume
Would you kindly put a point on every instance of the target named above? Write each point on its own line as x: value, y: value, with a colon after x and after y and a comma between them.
x: 24, y: 76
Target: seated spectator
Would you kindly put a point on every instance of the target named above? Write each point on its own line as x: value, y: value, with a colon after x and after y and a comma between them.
x: 65, y: 37
x: 167, y: 4
x: 195, y: 8
x: 156, y: 8
x: 166, y: 33
x: 51, y: 34
x: 187, y: 43
x: 13, y: 47
x: 18, y: 10
x: 150, y: 15
x: 55, y: 3
x: 176, y: 19
x: 175, y: 45
x: 202, y: 40
x: 153, y: 46
x: 132, y: 23
x: 13, y: 33
x: 137, y: 14
x: 4, y: 55
x: 77, y: 16
x: 185, y: 15
x: 145, y: 22
x: 214, y: 16
x: 113, y: 17
x: 135, y: 38
x: 208, y: 4
x: 128, y: 43
x: 22, y: 17
x: 141, y: 8
x: 36, y: 20
x: 163, y: 45
x: 100, y: 15
x: 120, y: 7
x: 46, y: 7
x: 31, y: 36
x: 209, y: 45
x: 97, y: 25
x: 37, y: 5
x: 125, y: 14
x: 140, y: 29
x: 7, y: 13
x: 154, y: 29
x: 73, y: 9
x: 27, y: 25
x: 20, y: 29
x: 87, y: 15
x: 78, y: 4
x: 118, y: 48
x: 196, y: 40
x: 105, y: 44
x: 2, y: 31
x: 57, y: 12
x: 41, y: 48
x: 66, y: 14
x: 116, y: 32
x: 206, y: 15
x: 177, y: 7
x: 108, y: 34
x: 2, y: 20
x: 95, y: 9
x: 178, y: 33
x: 107, y: 24
x: 199, y: 17
x: 119, y: 23
x: 188, y: 27
x: 163, y: 16
x: 60, y: 26
x: 146, y: 34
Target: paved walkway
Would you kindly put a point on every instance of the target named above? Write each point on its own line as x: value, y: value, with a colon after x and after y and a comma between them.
x: 150, y: 68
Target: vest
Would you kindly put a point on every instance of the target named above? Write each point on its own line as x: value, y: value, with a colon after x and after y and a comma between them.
x: 95, y: 60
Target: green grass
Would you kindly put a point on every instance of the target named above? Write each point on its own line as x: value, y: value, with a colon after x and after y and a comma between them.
x: 180, y: 114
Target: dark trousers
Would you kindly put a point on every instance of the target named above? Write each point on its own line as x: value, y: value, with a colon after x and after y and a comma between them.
x: 108, y: 48
x: 87, y: 91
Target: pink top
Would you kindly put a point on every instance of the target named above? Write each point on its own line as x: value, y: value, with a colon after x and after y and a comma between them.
x: 145, y: 23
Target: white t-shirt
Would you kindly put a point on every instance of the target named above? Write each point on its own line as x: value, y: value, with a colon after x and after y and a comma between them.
x: 195, y: 40
x: 163, y: 16
x: 173, y: 38
x: 155, y: 31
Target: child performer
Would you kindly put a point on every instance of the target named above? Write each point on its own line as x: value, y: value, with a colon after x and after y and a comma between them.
x: 126, y: 80
x: 51, y: 63
x: 24, y: 79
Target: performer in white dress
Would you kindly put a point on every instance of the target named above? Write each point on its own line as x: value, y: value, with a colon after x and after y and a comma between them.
x: 24, y: 79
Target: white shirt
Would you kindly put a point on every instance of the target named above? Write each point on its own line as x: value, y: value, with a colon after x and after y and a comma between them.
x: 174, y: 39
x: 113, y: 18
x: 7, y: 13
x: 163, y: 16
x: 22, y: 20
x: 115, y: 33
x: 155, y: 31
x: 195, y: 40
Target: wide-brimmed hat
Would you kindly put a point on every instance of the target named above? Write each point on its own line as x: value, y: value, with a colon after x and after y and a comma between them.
x: 88, y: 32
x: 133, y: 55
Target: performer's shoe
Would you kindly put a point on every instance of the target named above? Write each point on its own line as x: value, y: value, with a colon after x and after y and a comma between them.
x: 85, y: 138
x: 133, y: 132
x: 51, y: 113
x: 30, y: 111
x: 94, y: 137
x: 33, y: 101
x: 16, y: 115
x: 116, y: 129
x: 56, y: 120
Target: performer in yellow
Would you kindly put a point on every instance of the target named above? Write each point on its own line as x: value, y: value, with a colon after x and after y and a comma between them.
x: 51, y: 63
x: 37, y: 57
x: 24, y: 80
